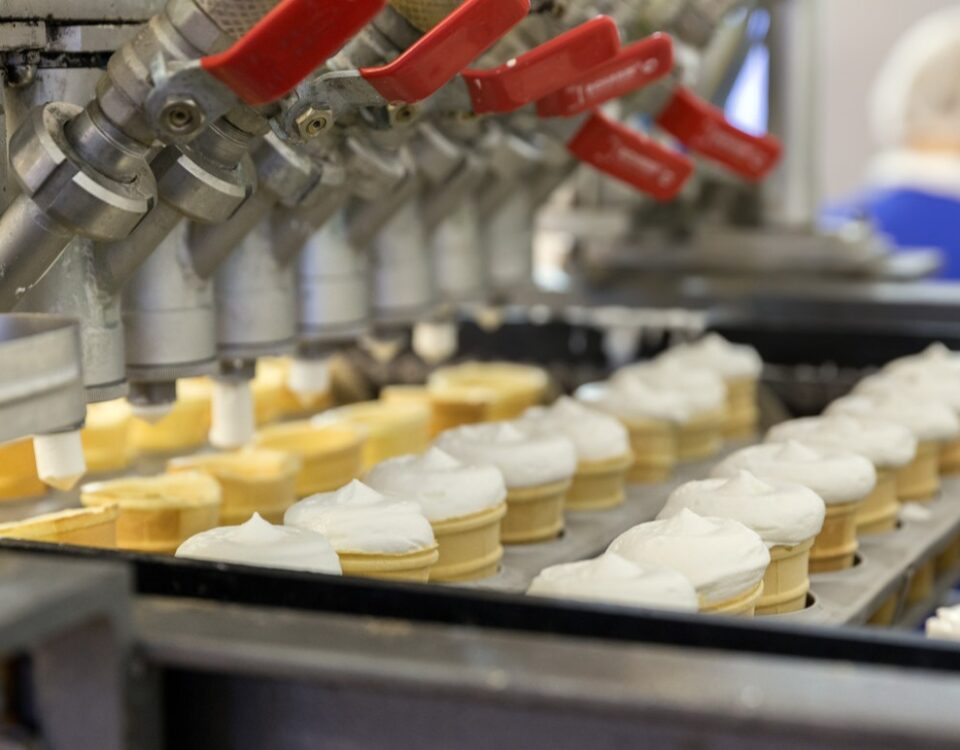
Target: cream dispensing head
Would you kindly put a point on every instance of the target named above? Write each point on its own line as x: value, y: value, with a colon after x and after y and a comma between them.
x: 309, y: 378
x: 232, y: 418
x: 59, y: 457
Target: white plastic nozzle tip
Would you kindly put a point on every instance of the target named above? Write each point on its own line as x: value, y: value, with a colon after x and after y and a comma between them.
x: 232, y: 415
x: 59, y: 457
x: 152, y: 413
x: 435, y: 341
x: 309, y: 378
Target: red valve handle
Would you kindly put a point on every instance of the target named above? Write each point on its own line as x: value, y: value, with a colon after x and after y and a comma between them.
x: 446, y: 49
x: 635, y: 66
x: 703, y: 128
x: 543, y: 69
x: 631, y: 157
x: 284, y: 46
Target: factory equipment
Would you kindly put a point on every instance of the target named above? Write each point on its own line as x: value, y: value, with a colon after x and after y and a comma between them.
x: 196, y: 186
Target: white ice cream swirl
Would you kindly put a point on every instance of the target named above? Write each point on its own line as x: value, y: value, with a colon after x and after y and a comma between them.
x: 837, y: 477
x: 357, y: 518
x: 614, y: 579
x: 258, y: 542
x: 444, y: 486
x: 782, y: 513
x: 721, y: 557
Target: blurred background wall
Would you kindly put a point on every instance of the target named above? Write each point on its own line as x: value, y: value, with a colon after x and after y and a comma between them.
x: 854, y: 37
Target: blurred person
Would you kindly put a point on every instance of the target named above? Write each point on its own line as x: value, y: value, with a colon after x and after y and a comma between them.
x: 912, y: 193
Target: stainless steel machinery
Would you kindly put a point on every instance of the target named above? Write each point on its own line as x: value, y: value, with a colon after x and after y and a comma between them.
x: 192, y: 185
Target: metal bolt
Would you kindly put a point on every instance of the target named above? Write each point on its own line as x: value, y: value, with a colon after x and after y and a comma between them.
x: 312, y: 121
x: 402, y: 114
x: 182, y: 116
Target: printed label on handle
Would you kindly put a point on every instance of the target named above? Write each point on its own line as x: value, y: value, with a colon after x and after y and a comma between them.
x: 705, y: 130
x: 287, y: 44
x: 631, y: 157
x: 635, y: 66
x: 446, y: 49
x: 543, y: 69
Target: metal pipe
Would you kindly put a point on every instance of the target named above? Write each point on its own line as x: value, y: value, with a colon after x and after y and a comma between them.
x: 30, y: 242
x: 209, y: 244
x: 121, y: 259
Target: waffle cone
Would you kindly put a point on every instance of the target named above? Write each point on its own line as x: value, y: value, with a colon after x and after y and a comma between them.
x: 412, y: 394
x: 885, y: 613
x: 184, y: 429
x: 106, y: 437
x: 878, y: 513
x: 534, y: 514
x: 18, y: 471
x: 653, y: 443
x: 919, y: 480
x: 701, y: 437
x: 921, y: 582
x: 157, y: 514
x: 836, y: 544
x: 787, y: 580
x: 469, y: 546
x: 598, y: 485
x: 251, y: 481
x: 330, y: 455
x: 950, y: 458
x: 742, y: 413
x: 410, y: 566
x: 742, y: 605
x: 88, y: 527
x: 392, y: 428
x: 949, y: 558
x: 484, y: 391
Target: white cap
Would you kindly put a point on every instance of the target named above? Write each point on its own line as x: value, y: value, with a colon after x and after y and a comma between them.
x: 59, y: 457
x: 232, y: 415
x: 916, y: 95
x: 435, y: 341
x: 309, y: 378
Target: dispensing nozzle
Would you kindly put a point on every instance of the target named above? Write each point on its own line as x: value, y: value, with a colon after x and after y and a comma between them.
x: 59, y: 457
x: 152, y: 401
x: 233, y: 418
x: 435, y: 341
x: 309, y: 378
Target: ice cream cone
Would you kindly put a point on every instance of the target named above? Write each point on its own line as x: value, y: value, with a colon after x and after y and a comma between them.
x: 599, y: 484
x: 106, y: 437
x: 485, y: 391
x: 921, y: 583
x: 701, y: 437
x: 836, y: 544
x: 251, y: 481
x: 392, y: 429
x: 269, y: 390
x: 950, y: 458
x: 743, y: 605
x: 787, y: 580
x: 878, y: 512
x: 18, y: 471
x: 469, y: 546
x: 412, y: 394
x: 88, y: 527
x: 919, y: 480
x: 410, y: 566
x: 330, y: 454
x: 654, y: 446
x: 184, y: 429
x: 742, y: 413
x: 156, y: 514
x: 534, y: 514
